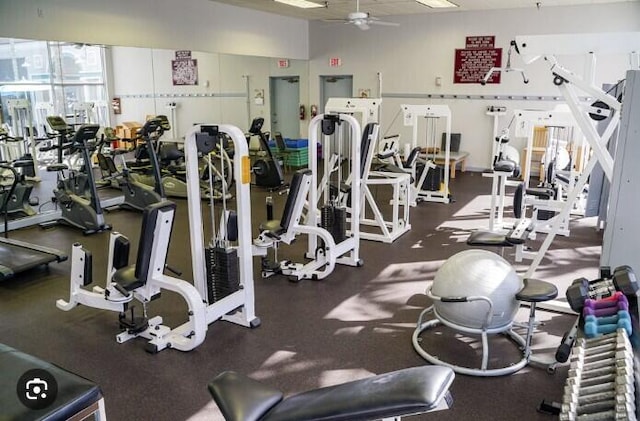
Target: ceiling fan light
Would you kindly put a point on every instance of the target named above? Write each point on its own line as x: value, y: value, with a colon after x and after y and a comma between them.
x: 303, y: 4
x: 437, y: 4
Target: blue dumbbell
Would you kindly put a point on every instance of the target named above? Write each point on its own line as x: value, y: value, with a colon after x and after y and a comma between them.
x: 595, y: 326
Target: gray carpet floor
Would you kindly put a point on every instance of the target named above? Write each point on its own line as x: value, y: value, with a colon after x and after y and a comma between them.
x: 356, y: 323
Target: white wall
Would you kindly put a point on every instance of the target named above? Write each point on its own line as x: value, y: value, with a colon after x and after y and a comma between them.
x: 201, y: 25
x: 411, y: 56
x: 142, y: 80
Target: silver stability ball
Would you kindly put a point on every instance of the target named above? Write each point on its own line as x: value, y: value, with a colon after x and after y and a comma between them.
x: 477, y: 272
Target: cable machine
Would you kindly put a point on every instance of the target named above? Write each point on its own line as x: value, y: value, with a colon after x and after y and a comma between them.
x: 222, y: 273
x: 431, y: 185
x: 324, y: 209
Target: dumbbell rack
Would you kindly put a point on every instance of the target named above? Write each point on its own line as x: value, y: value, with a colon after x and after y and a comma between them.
x: 601, y: 381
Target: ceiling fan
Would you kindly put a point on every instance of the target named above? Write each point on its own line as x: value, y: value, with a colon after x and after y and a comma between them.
x: 362, y: 20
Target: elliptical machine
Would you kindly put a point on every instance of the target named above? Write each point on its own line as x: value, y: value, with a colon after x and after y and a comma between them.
x: 267, y: 169
x: 77, y: 211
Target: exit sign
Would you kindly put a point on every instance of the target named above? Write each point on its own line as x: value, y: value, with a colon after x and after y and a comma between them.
x: 283, y: 63
x: 335, y: 62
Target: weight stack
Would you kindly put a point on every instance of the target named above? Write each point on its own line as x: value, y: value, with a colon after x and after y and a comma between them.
x: 326, y: 221
x: 339, y: 229
x: 223, y: 273
x: 433, y: 179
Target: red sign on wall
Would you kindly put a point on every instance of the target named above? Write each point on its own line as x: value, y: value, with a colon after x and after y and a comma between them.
x: 283, y: 63
x: 335, y: 62
x: 472, y: 64
x: 482, y: 41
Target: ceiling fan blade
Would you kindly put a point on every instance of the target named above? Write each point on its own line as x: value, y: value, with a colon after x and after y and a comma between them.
x: 382, y: 22
x: 336, y: 20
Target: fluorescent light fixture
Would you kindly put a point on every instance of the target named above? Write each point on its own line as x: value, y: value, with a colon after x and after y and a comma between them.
x: 304, y: 4
x: 437, y: 4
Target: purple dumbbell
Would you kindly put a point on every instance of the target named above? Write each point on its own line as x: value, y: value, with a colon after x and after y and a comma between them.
x: 606, y: 311
x: 612, y: 302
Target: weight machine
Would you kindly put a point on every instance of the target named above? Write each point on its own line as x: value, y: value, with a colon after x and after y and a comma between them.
x: 22, y: 128
x: 209, y: 298
x: 323, y: 209
x: 367, y: 111
x: 604, y: 106
x: 439, y: 191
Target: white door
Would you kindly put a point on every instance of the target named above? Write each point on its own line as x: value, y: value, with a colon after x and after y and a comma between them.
x: 285, y: 106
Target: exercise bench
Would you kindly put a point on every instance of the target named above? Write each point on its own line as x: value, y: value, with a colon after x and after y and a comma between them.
x: 409, y: 391
x: 77, y: 398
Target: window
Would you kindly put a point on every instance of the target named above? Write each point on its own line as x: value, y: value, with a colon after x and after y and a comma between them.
x: 56, y: 78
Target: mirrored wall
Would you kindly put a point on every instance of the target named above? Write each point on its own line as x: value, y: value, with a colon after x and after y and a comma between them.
x: 110, y: 85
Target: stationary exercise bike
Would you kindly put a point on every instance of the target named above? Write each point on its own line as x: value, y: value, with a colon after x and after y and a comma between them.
x: 80, y: 212
x: 137, y: 195
x: 77, y: 181
x: 267, y: 169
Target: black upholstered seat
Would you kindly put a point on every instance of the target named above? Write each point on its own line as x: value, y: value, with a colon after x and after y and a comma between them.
x: 536, y: 291
x: 57, y: 167
x: 278, y: 227
x: 540, y: 192
x: 409, y: 391
x: 75, y: 393
x: 505, y: 166
x: 134, y: 276
x: 488, y: 239
x: 242, y: 398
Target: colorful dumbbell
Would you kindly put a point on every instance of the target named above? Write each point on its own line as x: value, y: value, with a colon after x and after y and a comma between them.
x: 595, y: 326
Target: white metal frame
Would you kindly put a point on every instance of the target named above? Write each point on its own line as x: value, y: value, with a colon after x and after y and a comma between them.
x: 237, y: 307
x: 21, y: 117
x: 548, y: 46
x: 388, y: 231
x: 322, y: 262
x: 368, y: 109
x: 348, y: 249
x: 523, y: 343
x: 529, y: 119
x: 241, y: 302
x: 411, y: 114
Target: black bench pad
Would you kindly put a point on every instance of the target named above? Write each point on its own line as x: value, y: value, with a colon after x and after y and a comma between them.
x: 241, y: 398
x: 403, y: 392
x: 505, y: 166
x: 488, y: 239
x: 75, y: 393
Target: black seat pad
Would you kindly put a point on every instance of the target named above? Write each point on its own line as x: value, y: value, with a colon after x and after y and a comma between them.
x: 75, y: 393
x: 57, y: 167
x: 536, y: 291
x: 488, y: 238
x: 241, y: 398
x: 126, y: 277
x: 504, y: 166
x: 409, y: 391
x: 541, y: 192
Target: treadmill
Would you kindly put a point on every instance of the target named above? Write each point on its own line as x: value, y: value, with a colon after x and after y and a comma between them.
x: 18, y: 256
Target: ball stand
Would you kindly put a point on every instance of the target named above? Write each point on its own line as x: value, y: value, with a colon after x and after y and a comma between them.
x: 533, y: 291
